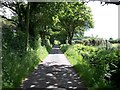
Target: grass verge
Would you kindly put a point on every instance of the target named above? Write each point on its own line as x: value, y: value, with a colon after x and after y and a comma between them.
x: 17, y: 66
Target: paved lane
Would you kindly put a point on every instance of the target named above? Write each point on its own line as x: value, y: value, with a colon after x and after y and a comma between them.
x: 54, y: 72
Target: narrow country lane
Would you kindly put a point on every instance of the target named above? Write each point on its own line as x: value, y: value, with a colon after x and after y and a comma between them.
x: 54, y: 72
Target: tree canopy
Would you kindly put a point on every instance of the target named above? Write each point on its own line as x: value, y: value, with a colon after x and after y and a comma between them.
x: 73, y: 15
x: 43, y: 19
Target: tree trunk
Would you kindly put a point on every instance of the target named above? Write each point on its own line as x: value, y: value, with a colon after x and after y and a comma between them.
x: 27, y: 25
x: 70, y: 40
x: 21, y: 26
x: 43, y: 36
x: 70, y: 34
x: 19, y: 17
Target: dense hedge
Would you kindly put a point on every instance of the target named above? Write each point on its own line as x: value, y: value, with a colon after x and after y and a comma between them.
x: 99, y: 68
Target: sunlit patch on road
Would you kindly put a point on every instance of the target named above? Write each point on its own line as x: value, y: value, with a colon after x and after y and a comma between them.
x: 54, y: 72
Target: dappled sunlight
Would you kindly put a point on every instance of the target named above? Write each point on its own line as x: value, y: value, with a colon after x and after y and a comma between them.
x: 54, y: 72
x: 54, y: 76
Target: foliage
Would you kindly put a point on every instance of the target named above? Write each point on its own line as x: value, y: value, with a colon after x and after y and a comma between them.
x: 56, y: 42
x: 20, y: 66
x: 64, y: 47
x: 74, y: 18
x: 16, y: 62
x: 61, y: 36
x: 97, y: 67
x: 48, y: 46
x: 90, y: 41
x: 26, y: 41
x: 41, y: 18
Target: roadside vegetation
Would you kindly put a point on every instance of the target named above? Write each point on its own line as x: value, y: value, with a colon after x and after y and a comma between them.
x: 17, y: 62
x: 98, y: 67
x: 32, y: 30
x: 34, y: 27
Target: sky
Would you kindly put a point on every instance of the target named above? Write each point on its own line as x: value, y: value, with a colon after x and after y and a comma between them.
x: 105, y: 20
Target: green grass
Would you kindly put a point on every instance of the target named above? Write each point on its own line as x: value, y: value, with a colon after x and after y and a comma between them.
x: 17, y: 67
x: 42, y: 52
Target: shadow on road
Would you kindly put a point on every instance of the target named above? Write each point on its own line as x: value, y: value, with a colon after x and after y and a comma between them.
x: 55, y: 73
x: 56, y: 50
x: 56, y: 76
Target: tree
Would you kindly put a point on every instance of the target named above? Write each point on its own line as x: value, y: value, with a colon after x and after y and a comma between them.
x: 21, y: 12
x: 43, y: 16
x: 73, y: 15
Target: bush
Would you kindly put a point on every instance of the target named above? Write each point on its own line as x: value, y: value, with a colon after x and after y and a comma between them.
x: 64, y: 47
x: 97, y: 67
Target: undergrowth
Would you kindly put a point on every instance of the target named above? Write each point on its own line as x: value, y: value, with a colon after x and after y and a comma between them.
x: 19, y: 58
x: 97, y: 67
x: 16, y: 66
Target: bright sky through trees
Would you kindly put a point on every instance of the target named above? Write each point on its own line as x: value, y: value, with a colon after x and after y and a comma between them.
x: 106, y: 20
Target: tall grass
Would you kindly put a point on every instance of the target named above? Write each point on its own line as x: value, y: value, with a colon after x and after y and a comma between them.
x: 17, y: 66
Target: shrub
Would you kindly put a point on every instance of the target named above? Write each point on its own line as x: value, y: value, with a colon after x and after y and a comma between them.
x: 64, y: 47
x: 97, y: 67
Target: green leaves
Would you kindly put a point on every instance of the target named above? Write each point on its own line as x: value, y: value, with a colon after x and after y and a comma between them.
x: 73, y: 15
x: 98, y: 67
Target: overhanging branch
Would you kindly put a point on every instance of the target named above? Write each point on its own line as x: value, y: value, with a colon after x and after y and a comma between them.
x: 14, y: 22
